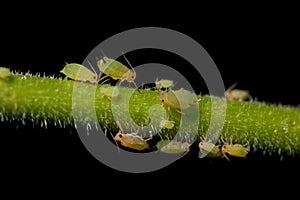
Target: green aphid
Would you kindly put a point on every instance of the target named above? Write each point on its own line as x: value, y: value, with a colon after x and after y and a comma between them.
x: 164, y: 84
x: 167, y: 124
x: 237, y: 94
x: 173, y: 147
x: 4, y: 73
x: 210, y: 150
x: 79, y: 73
x: 236, y: 150
x: 109, y: 92
x: 131, y: 140
x: 116, y: 70
x: 178, y: 99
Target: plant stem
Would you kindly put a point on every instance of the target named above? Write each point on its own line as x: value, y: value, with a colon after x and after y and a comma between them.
x: 44, y: 100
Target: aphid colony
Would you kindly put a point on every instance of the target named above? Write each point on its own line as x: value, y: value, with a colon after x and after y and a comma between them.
x: 177, y: 99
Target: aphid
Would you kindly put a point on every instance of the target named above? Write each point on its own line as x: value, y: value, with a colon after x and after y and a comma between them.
x: 109, y: 92
x: 173, y: 147
x: 116, y: 70
x: 236, y: 150
x: 172, y: 98
x: 236, y: 94
x: 164, y: 84
x: 167, y: 124
x: 79, y: 72
x: 212, y: 150
x: 131, y: 140
x: 4, y: 72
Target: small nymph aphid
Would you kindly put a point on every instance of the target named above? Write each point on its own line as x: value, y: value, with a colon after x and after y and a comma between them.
x: 212, y: 150
x: 131, y: 140
x: 167, y: 124
x: 164, y: 84
x: 109, y: 92
x: 4, y: 73
x: 116, y: 70
x: 236, y: 150
x: 173, y: 147
x: 80, y: 73
x: 236, y: 94
x: 178, y: 99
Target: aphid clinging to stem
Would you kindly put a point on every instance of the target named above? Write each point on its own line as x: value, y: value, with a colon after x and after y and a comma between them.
x: 178, y: 99
x: 164, y: 84
x: 80, y: 73
x: 210, y: 150
x: 236, y: 150
x: 131, y: 140
x: 236, y: 94
x: 116, y: 70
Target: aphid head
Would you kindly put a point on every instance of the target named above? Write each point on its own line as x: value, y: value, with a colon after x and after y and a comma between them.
x: 130, y: 76
x: 163, y: 96
x: 224, y: 148
x: 95, y: 78
x: 119, y: 136
x: 201, y: 145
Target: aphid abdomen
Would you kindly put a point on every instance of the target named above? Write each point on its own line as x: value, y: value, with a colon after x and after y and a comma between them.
x: 79, y: 72
x: 112, y: 68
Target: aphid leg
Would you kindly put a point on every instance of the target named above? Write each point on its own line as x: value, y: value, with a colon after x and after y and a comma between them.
x: 104, y: 77
x: 115, y: 141
x: 135, y: 85
x: 180, y: 112
x: 250, y: 98
x: 184, y: 153
x: 224, y: 154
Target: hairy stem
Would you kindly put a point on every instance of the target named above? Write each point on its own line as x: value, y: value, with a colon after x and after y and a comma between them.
x: 44, y: 100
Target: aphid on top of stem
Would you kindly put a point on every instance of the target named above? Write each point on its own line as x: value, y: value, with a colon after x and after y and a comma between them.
x: 167, y: 124
x: 116, y: 70
x: 237, y: 94
x: 80, y: 73
x: 4, y: 73
x: 164, y: 84
x: 210, y: 150
x: 131, y: 140
x: 178, y: 99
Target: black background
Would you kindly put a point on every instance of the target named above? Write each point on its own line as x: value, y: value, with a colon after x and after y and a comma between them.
x: 258, y: 49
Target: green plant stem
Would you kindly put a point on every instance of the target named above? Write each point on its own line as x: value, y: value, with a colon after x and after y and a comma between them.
x: 25, y: 98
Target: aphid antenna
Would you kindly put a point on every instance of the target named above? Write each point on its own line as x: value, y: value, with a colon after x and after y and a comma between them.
x: 90, y: 64
x: 128, y: 61
x: 97, y: 75
x: 233, y: 86
x: 102, y: 53
x: 130, y: 67
x: 175, y: 83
